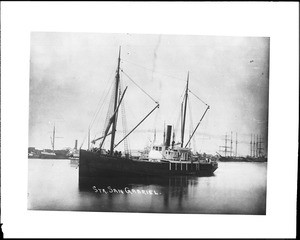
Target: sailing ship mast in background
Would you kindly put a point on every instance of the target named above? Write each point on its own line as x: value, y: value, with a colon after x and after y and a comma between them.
x: 52, y: 138
x: 47, y: 153
x: 236, y: 143
x: 256, y: 149
x: 226, y: 149
x: 229, y: 153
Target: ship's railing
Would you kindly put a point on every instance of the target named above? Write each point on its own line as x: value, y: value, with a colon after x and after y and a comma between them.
x: 184, y: 166
x: 103, y: 152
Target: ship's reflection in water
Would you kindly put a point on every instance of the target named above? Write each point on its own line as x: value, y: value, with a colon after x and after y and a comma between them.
x: 235, y: 188
x: 151, y: 194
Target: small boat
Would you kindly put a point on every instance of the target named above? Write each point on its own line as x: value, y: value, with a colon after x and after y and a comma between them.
x: 167, y: 159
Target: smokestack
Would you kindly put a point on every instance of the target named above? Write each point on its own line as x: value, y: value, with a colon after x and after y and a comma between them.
x: 169, y: 131
x: 75, y: 145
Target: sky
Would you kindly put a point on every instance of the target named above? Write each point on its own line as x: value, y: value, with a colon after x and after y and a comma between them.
x: 71, y: 75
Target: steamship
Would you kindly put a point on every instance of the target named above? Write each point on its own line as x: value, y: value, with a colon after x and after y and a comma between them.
x: 166, y: 159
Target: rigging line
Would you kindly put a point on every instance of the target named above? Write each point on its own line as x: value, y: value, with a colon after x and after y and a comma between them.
x: 176, y: 113
x: 191, y: 123
x: 97, y: 111
x: 112, y: 118
x: 109, y: 110
x: 152, y: 70
x: 124, y: 122
x: 176, y: 106
x: 157, y: 106
x: 95, y: 115
x: 197, y: 126
x: 139, y: 86
x: 173, y: 112
x: 93, y: 120
x: 101, y: 106
x: 176, y: 127
x: 198, y: 97
x: 183, y: 92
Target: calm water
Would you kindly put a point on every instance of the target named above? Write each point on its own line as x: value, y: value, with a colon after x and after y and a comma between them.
x: 235, y: 188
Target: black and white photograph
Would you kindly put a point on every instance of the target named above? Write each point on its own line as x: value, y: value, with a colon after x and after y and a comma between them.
x: 149, y: 119
x: 168, y: 123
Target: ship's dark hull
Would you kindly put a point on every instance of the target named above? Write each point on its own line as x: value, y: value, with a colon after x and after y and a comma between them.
x: 232, y: 159
x: 95, y: 165
x: 247, y: 159
x: 257, y: 159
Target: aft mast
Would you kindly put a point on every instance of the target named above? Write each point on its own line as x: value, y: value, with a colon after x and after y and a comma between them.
x: 184, y: 111
x: 114, y: 120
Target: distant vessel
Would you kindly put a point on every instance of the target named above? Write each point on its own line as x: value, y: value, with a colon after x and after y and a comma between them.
x: 233, y: 159
x: 227, y: 149
x: 256, y: 159
x: 256, y: 154
x: 256, y: 150
x: 162, y: 160
x: 52, y: 153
